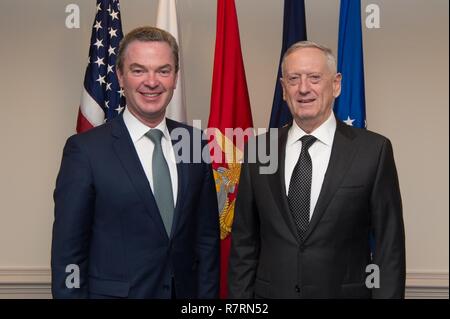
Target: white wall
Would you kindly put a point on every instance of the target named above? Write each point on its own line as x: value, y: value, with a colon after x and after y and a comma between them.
x: 43, y: 64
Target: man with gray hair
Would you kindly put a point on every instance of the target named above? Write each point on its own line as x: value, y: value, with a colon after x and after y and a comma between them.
x: 304, y: 231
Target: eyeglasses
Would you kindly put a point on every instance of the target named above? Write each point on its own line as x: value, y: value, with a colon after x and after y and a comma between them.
x: 294, y: 79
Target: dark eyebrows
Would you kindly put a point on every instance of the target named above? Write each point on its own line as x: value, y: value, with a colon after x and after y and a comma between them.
x: 140, y: 66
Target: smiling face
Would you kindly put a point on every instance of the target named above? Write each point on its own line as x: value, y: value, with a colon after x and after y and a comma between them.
x: 309, y: 87
x: 148, y: 78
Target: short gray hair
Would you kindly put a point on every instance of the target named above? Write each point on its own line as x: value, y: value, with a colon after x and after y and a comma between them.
x: 331, y: 60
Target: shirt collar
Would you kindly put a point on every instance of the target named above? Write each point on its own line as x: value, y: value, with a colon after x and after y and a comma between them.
x: 137, y: 129
x: 324, y: 133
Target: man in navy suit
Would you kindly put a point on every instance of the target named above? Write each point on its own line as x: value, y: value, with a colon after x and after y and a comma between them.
x: 112, y: 222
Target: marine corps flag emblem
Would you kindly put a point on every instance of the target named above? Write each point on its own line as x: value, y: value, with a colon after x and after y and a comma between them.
x: 230, y: 109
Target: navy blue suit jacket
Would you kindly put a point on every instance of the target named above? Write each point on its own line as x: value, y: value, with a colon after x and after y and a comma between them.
x: 107, y: 223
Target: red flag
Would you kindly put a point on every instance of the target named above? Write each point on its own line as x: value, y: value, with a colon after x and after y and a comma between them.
x: 230, y: 108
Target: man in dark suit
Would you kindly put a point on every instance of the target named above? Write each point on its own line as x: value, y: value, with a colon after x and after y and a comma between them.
x: 131, y: 221
x: 304, y: 231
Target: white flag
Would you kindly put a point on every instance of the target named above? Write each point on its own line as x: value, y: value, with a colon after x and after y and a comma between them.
x: 167, y: 20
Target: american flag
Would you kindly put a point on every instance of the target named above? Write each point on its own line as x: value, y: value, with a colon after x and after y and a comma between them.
x: 102, y: 98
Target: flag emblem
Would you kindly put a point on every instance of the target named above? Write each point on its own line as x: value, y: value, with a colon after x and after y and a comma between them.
x: 226, y: 177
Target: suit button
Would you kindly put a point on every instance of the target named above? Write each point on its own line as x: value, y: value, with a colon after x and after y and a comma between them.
x: 302, y: 248
x: 297, y: 289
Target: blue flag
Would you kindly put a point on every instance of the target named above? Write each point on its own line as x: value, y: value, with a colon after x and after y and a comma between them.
x: 350, y: 106
x: 294, y: 30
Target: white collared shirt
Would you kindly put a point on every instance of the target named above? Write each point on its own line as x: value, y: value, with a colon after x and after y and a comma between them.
x: 320, y: 153
x: 144, y: 148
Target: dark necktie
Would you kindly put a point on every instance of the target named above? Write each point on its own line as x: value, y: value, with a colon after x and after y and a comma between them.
x: 299, y: 196
x: 162, y: 184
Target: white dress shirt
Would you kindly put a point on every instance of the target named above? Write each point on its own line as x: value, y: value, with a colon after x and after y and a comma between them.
x: 320, y: 153
x: 144, y: 148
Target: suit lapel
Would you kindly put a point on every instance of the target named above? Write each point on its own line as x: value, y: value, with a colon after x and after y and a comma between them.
x: 277, y: 183
x: 341, y: 158
x: 125, y: 151
x: 183, y: 180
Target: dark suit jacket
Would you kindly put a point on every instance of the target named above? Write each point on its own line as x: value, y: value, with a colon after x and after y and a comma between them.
x: 360, y: 194
x: 107, y: 223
